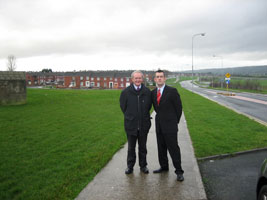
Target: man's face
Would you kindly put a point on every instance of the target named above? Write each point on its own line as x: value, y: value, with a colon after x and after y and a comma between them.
x: 160, y: 78
x: 137, y: 79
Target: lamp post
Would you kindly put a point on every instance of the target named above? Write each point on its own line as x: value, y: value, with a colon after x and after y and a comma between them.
x: 198, y: 34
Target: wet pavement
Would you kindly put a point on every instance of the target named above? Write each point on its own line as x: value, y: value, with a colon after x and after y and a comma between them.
x: 232, y: 177
x: 111, y: 182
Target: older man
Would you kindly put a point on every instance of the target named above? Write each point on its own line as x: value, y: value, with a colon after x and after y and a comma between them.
x: 135, y: 103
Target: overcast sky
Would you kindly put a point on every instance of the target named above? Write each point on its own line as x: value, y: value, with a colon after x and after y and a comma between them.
x: 68, y: 35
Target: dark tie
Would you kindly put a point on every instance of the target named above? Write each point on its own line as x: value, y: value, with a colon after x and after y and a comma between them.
x: 138, y: 88
x: 158, y: 96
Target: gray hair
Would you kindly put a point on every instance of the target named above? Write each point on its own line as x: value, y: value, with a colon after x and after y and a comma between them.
x: 137, y: 71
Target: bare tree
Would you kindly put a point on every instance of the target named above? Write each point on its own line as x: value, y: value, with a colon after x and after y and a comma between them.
x: 11, y: 63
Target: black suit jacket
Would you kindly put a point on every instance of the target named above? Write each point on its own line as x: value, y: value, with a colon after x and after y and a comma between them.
x: 135, y: 107
x: 168, y: 111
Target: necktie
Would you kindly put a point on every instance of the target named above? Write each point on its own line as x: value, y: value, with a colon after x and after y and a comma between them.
x: 158, y: 96
x: 138, y: 88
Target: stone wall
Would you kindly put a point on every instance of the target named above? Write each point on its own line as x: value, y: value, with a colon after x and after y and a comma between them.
x: 12, y: 88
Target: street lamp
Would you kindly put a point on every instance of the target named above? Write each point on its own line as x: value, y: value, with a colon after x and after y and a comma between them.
x: 198, y: 34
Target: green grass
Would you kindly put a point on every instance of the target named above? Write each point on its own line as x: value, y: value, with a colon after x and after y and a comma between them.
x: 215, y: 129
x: 237, y: 84
x: 54, y: 145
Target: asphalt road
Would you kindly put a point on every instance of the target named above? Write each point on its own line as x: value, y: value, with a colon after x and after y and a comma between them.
x: 232, y: 177
x: 254, y: 105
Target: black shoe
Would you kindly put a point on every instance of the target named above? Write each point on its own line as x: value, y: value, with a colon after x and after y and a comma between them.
x: 160, y: 170
x: 144, y: 170
x: 129, y: 170
x: 180, y: 177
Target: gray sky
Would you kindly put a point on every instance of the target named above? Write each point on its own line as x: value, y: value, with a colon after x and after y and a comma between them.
x: 68, y: 35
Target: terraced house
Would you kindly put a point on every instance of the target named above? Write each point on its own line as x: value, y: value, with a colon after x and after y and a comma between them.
x: 85, y: 79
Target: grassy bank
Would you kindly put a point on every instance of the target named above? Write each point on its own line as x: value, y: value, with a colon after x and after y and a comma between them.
x: 215, y: 129
x: 54, y: 145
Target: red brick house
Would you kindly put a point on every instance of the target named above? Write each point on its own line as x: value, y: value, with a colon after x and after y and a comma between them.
x: 85, y: 79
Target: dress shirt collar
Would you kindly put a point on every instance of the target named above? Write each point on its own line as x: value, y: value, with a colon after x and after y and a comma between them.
x: 135, y: 87
x: 161, y: 89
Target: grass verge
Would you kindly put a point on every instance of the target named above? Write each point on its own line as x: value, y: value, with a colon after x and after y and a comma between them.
x: 54, y: 145
x: 215, y: 129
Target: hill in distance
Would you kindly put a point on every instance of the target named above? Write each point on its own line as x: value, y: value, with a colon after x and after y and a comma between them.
x: 260, y: 71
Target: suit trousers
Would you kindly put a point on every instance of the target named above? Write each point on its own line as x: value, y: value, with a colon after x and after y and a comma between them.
x: 168, y: 141
x: 142, y: 150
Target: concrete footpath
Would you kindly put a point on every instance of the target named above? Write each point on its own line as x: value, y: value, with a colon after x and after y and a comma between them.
x: 111, y: 183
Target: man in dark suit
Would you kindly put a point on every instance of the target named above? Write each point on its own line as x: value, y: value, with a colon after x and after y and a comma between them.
x: 168, y: 106
x: 135, y: 103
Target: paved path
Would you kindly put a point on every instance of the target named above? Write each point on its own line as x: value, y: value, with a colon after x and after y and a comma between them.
x: 112, y: 184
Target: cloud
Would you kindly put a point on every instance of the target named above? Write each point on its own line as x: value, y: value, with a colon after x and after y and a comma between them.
x: 143, y: 32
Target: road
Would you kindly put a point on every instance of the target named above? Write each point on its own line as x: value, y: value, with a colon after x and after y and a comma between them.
x: 250, y: 104
x: 232, y: 177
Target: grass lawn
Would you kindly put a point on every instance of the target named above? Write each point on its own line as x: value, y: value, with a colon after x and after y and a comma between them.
x: 54, y: 145
x: 215, y: 129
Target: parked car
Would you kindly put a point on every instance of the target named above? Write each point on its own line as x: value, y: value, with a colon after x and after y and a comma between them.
x: 262, y: 182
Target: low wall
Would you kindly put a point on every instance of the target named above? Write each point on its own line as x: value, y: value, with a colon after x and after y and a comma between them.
x: 12, y: 88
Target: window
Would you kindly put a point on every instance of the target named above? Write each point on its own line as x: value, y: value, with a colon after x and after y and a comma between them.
x: 29, y: 82
x: 122, y: 85
x: 105, y: 84
x: 87, y: 78
x: 81, y: 78
x: 115, y: 79
x: 81, y: 84
x: 92, y: 78
x: 92, y: 84
x: 98, y: 84
x: 127, y: 79
x: 110, y: 78
x: 121, y: 79
x: 73, y: 78
x: 98, y: 78
x: 105, y: 78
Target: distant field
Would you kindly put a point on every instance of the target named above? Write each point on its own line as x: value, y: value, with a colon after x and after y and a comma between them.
x: 54, y: 145
x: 215, y: 129
x: 262, y: 82
x: 245, y: 84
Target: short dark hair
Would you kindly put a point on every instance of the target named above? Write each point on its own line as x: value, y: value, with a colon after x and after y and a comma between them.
x: 160, y: 71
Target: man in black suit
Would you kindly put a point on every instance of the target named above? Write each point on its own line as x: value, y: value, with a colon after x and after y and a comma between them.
x: 135, y: 103
x: 168, y: 106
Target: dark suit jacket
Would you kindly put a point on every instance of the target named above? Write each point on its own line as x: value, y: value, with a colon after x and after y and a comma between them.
x: 135, y: 107
x: 168, y: 111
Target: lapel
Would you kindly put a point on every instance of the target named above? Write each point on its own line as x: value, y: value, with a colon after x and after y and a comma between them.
x: 155, y: 95
x: 163, y: 97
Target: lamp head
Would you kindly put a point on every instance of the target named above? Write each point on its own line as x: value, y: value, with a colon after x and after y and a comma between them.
x: 202, y: 34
